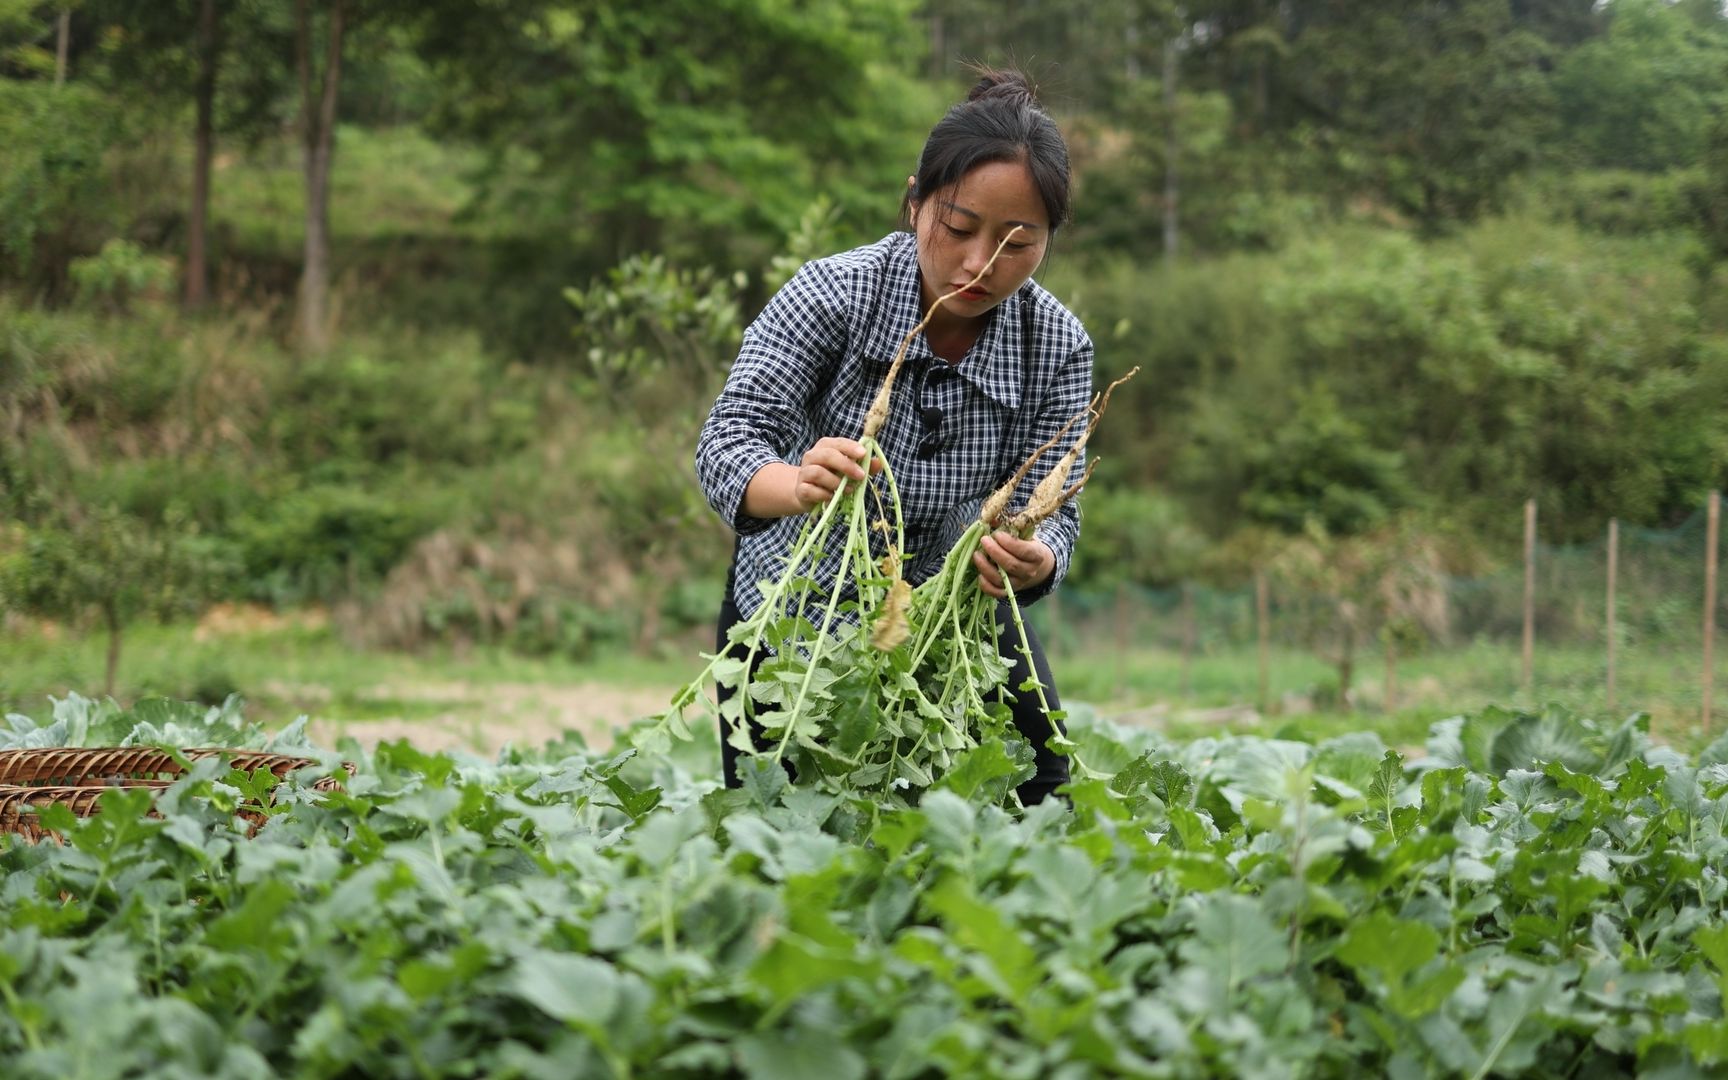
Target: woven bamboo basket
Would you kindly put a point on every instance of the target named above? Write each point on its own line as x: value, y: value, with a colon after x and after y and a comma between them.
x: 75, y: 766
x: 75, y: 777
x: 19, y: 806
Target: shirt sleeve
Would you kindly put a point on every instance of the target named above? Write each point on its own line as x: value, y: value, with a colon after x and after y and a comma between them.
x: 762, y: 413
x: 1069, y: 394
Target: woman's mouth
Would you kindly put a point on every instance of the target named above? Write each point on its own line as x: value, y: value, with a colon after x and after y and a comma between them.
x: 974, y: 293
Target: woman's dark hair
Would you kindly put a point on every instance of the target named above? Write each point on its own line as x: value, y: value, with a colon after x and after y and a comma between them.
x: 1000, y: 120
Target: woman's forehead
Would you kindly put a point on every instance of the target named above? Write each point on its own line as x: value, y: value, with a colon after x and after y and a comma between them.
x: 1002, y: 191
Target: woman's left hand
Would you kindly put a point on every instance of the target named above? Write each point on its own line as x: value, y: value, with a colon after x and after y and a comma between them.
x: 1027, y: 563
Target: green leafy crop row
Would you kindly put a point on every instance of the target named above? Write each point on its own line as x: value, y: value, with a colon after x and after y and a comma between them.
x: 1537, y: 897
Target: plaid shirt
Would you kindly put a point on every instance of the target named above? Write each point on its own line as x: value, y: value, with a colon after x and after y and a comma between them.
x: 812, y: 362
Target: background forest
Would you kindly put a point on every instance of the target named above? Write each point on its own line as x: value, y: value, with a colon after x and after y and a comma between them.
x: 409, y: 312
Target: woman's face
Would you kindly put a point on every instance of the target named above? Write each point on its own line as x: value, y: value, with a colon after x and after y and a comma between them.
x: 959, y: 227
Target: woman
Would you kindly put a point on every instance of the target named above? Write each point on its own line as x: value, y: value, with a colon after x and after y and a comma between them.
x: 996, y: 373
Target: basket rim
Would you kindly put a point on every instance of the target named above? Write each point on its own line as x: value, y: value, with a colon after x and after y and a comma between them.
x: 23, y: 800
x: 102, y: 765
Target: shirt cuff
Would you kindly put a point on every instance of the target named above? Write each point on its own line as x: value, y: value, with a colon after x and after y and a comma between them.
x: 729, y: 500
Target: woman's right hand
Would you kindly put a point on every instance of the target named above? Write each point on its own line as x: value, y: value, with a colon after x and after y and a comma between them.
x: 782, y: 489
x: 825, y: 466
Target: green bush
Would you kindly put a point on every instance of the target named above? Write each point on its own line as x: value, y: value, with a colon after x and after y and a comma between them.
x: 404, y: 400
x: 119, y: 274
x: 1133, y: 533
x: 1644, y: 93
x: 103, y: 376
x: 81, y: 560
x: 1521, y: 357
x: 1192, y: 328
x: 646, y: 316
x: 208, y: 490
x: 1323, y: 468
x: 326, y: 540
x: 53, y: 187
x: 1620, y: 201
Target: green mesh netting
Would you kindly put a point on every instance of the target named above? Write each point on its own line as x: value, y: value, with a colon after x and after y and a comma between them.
x: 1198, y: 645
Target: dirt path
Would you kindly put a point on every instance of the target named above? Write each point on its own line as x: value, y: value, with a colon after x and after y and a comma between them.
x: 484, y: 718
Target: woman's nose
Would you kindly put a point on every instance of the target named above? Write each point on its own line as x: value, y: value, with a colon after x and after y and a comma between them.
x: 978, y: 251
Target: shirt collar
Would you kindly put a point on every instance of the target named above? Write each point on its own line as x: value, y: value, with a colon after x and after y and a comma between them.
x: 993, y: 366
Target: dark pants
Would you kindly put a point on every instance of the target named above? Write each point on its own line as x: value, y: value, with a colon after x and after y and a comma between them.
x: 1028, y: 711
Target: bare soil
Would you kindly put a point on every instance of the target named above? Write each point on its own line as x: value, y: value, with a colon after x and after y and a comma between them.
x: 483, y: 719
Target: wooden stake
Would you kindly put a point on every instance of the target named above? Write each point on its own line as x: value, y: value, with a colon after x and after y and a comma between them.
x: 1712, y: 534
x: 1391, y: 705
x: 1529, y: 594
x: 62, y: 46
x: 1122, y: 637
x: 1613, y: 578
x: 1172, y: 144
x: 1187, y: 637
x: 1263, y: 617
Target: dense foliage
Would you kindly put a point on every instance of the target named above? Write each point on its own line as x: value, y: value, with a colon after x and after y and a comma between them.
x: 1364, y: 372
x: 1391, y: 269
x: 1386, y: 270
x: 1538, y: 896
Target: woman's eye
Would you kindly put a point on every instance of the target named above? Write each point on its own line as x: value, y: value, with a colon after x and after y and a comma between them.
x: 960, y: 234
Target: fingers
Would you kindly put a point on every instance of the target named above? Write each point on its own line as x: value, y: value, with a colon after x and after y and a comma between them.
x: 1026, y: 563
x: 996, y: 547
x: 850, y: 452
x: 838, y: 455
x: 817, y: 483
x: 989, y: 578
x: 825, y: 466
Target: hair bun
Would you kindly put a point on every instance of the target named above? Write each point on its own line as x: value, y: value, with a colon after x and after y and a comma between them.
x: 1009, y: 85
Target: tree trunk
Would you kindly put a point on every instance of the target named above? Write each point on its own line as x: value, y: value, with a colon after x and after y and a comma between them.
x: 1263, y: 626
x: 1187, y: 638
x: 1346, y: 669
x: 1391, y: 677
x: 938, y: 47
x: 648, y: 630
x: 62, y: 46
x: 1124, y: 635
x: 1171, y: 189
x: 111, y: 617
x: 318, y: 121
x: 204, y: 140
x: 1262, y: 95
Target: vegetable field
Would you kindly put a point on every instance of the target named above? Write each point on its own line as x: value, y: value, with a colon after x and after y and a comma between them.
x: 1538, y: 895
